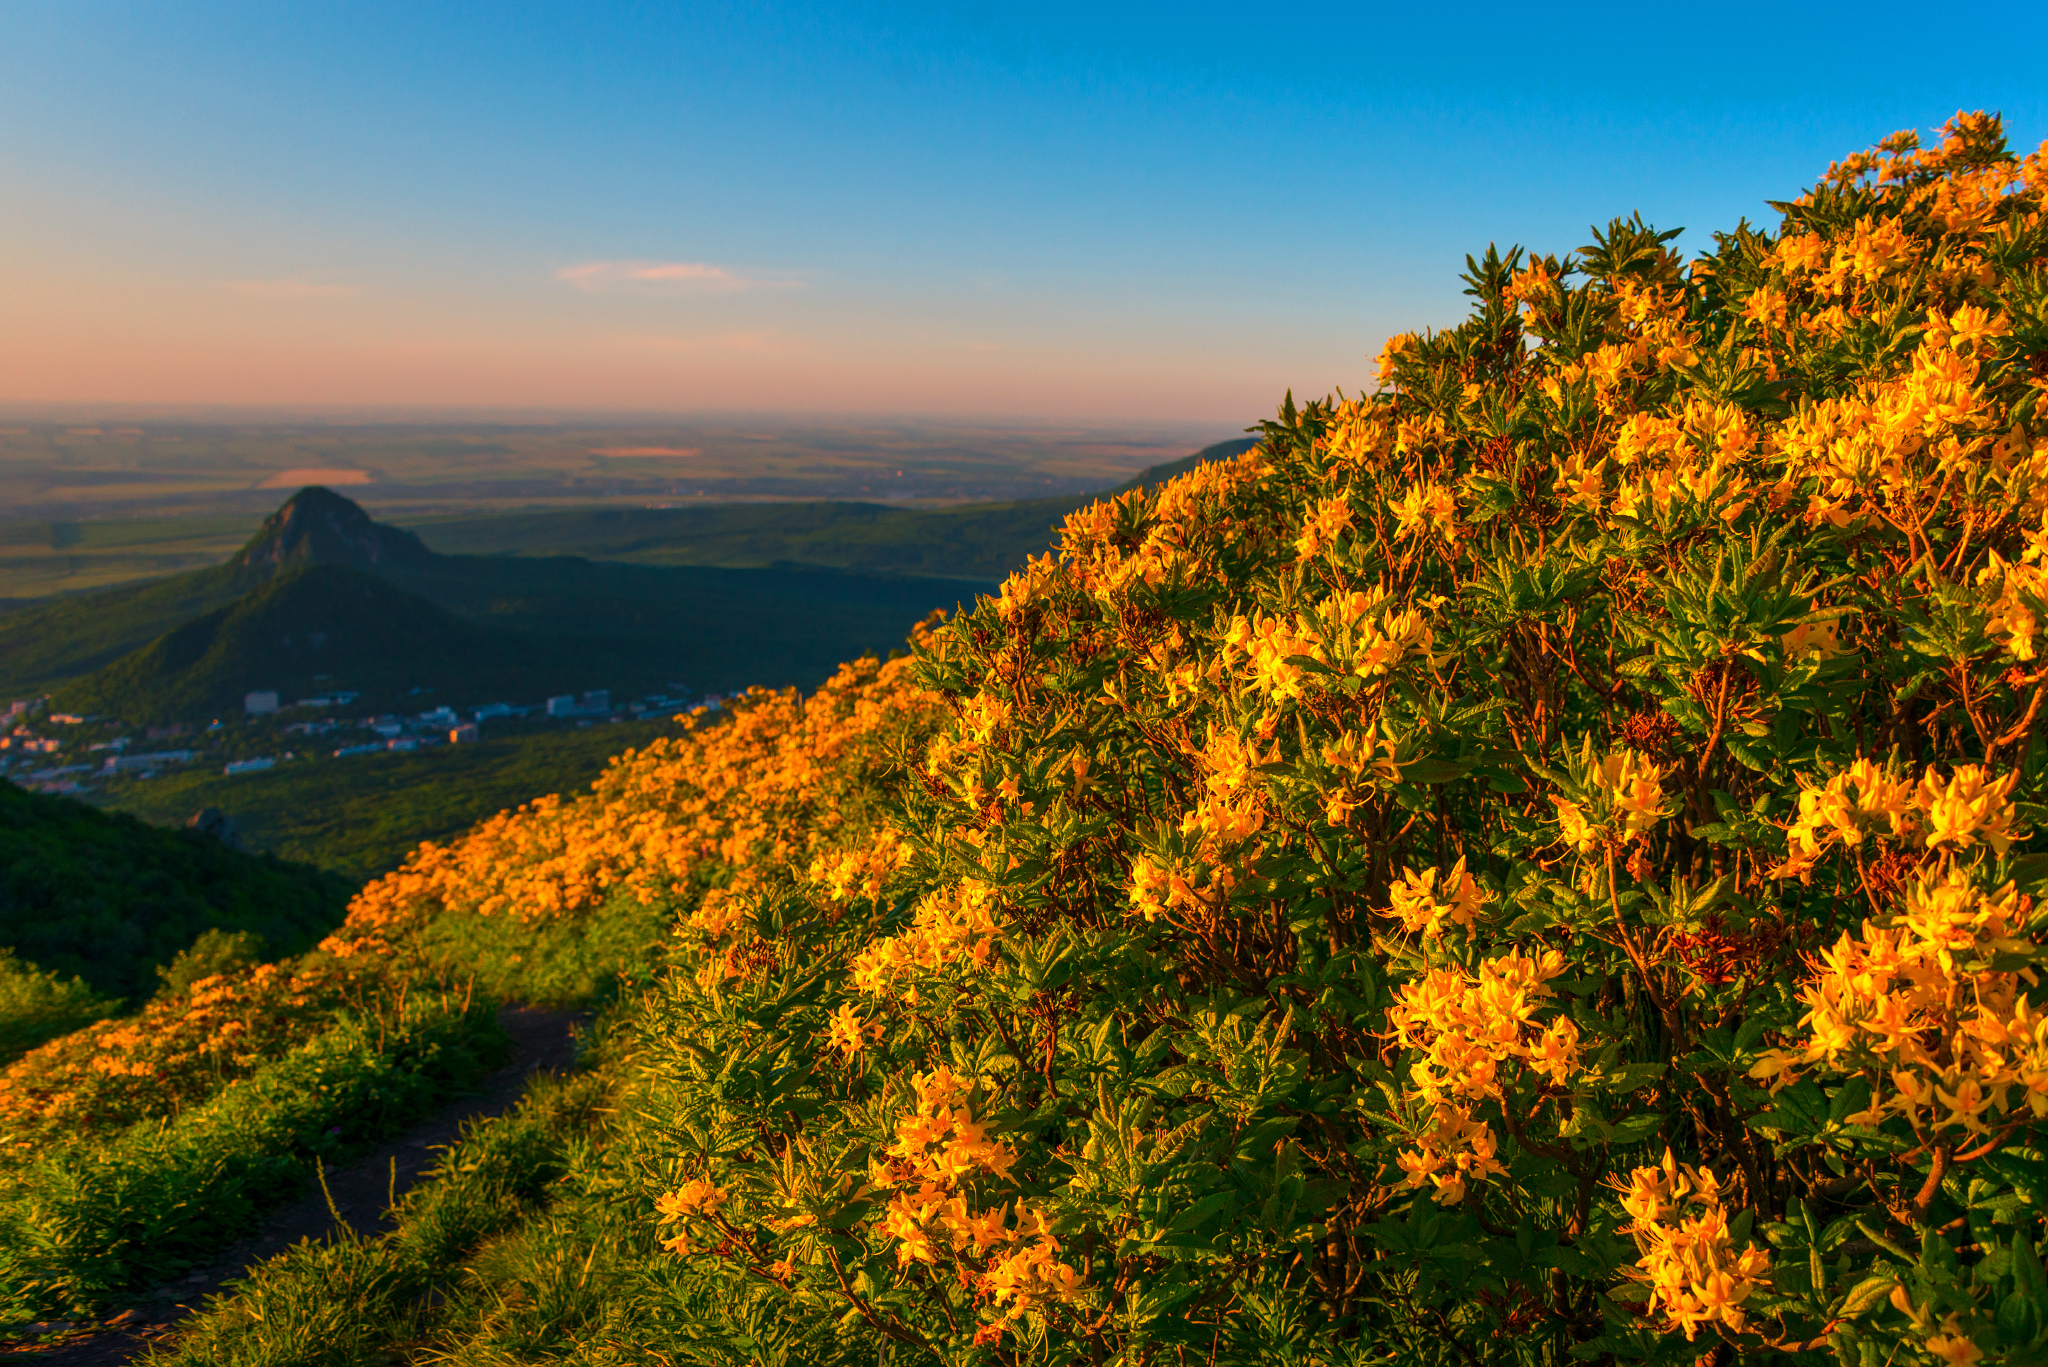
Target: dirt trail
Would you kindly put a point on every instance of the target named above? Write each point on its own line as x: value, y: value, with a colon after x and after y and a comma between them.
x: 540, y: 1042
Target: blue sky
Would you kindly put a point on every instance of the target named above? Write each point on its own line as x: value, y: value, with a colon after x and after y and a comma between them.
x: 1053, y: 211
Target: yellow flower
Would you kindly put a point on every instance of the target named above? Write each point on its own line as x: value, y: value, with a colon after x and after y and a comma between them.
x: 1955, y: 1349
x: 1330, y: 520
x: 848, y: 1032
x: 1422, y: 905
x: 696, y: 1197
x: 1695, y: 1273
x: 1425, y: 508
x: 1573, y: 827
x: 1969, y: 809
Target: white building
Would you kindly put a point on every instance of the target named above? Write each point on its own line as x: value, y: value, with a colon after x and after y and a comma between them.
x: 260, y: 703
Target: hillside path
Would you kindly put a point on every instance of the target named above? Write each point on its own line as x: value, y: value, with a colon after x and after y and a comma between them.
x: 541, y: 1041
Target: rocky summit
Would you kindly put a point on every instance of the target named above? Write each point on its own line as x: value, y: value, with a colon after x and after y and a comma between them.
x: 317, y: 526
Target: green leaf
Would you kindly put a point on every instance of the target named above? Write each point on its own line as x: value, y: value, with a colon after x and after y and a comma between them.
x: 1866, y: 1293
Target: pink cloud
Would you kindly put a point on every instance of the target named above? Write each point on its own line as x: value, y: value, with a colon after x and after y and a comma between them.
x: 597, y: 275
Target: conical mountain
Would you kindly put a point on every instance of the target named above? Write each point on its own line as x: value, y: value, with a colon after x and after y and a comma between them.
x: 312, y: 629
x: 317, y: 526
x: 42, y: 644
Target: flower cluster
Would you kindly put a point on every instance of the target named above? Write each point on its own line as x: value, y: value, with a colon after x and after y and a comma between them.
x: 1424, y: 901
x: 1478, y: 1036
x: 1949, y: 1041
x: 955, y: 925
x: 1695, y: 1270
x: 1623, y: 798
x: 690, y: 1205
x: 661, y: 818
x: 939, y: 1147
x: 178, y: 1050
x: 1967, y: 810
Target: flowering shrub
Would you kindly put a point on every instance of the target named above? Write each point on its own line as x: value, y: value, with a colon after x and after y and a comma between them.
x: 1536, y: 862
x: 181, y: 1048
x: 81, y: 1223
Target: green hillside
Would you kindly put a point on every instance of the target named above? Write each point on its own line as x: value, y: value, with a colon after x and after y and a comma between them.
x: 773, y: 619
x: 714, y: 629
x: 312, y: 628
x: 43, y: 643
x: 470, y: 628
x: 46, y: 641
x: 109, y: 899
x: 983, y: 541
x: 359, y: 816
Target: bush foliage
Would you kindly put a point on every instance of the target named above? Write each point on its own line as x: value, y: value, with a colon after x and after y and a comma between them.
x: 1537, y: 863
x: 1533, y: 863
x: 108, y: 899
x: 36, y: 1006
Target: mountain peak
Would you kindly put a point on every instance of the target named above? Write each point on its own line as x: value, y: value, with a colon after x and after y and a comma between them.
x: 317, y: 526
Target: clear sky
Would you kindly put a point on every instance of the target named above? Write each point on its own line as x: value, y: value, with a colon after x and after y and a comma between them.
x: 1046, y: 210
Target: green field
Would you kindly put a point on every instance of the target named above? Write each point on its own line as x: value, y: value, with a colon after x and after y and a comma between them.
x: 360, y: 815
x: 984, y: 541
x: 42, y: 558
x: 978, y: 541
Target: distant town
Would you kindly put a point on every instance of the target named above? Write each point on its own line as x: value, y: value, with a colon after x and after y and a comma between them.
x: 64, y: 752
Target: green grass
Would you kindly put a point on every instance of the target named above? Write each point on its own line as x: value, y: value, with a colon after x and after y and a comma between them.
x: 107, y: 898
x: 82, y: 1223
x: 339, y: 1302
x: 360, y: 816
x: 570, y: 961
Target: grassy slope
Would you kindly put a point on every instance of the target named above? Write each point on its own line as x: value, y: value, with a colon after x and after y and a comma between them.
x: 359, y: 816
x: 109, y: 898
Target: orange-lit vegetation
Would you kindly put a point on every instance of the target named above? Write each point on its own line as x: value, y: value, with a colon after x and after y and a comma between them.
x: 1534, y: 864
